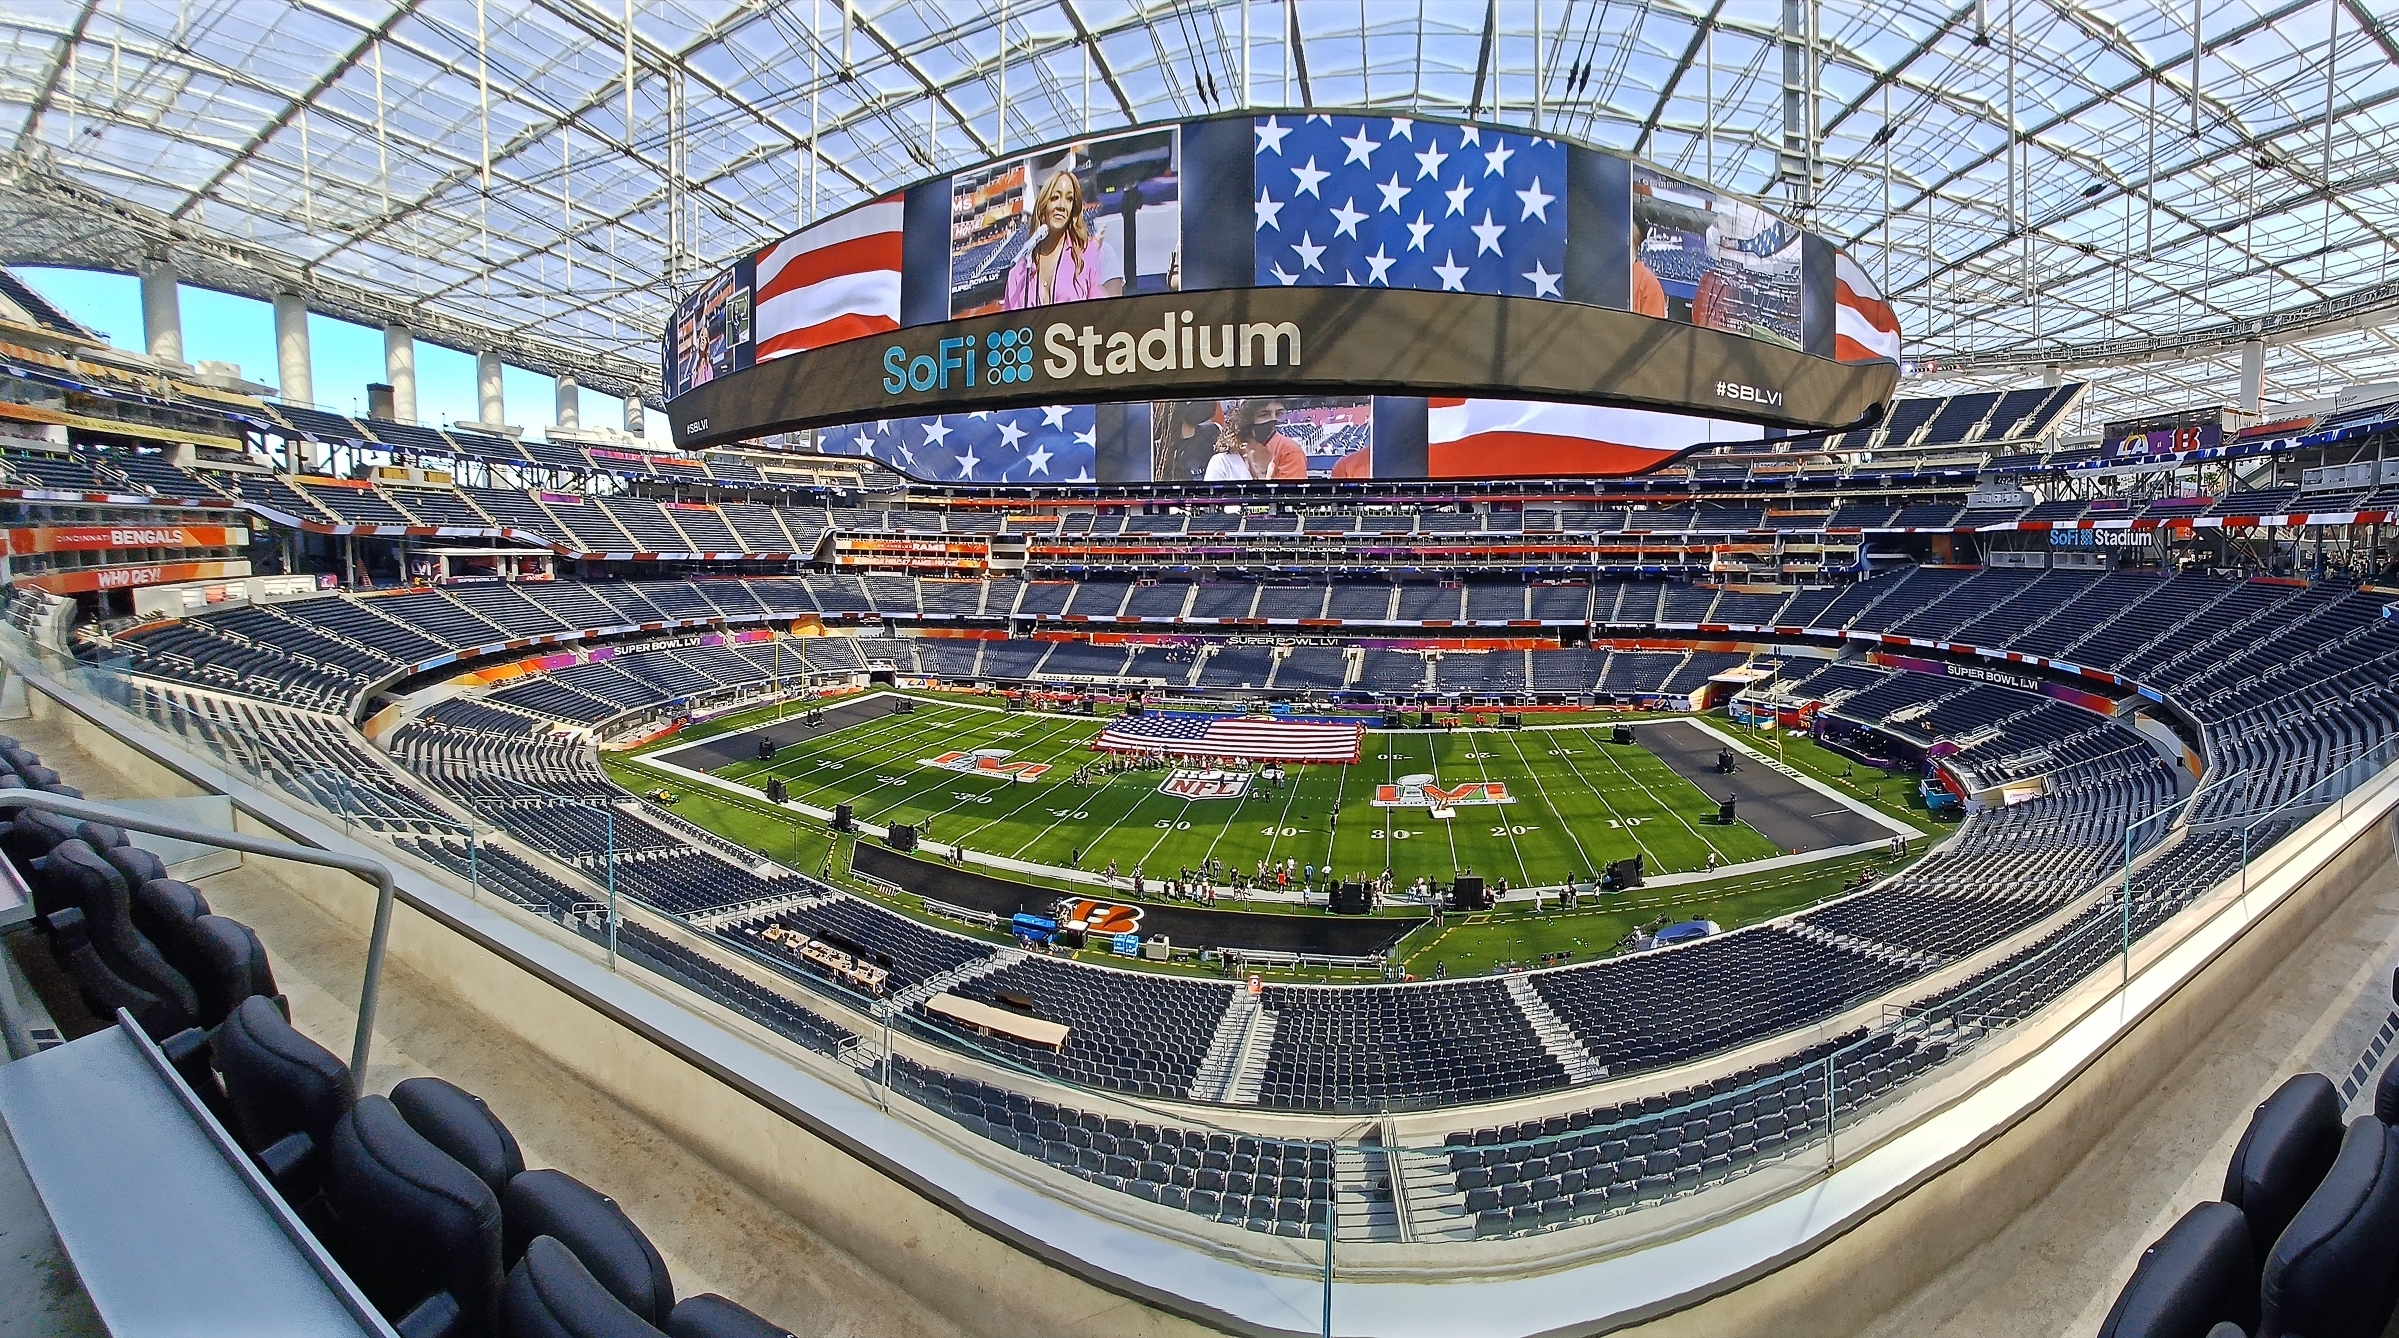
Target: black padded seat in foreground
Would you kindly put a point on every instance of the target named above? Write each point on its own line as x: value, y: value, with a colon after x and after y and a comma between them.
x: 233, y: 967
x: 77, y: 876
x: 138, y: 865
x: 460, y: 1124
x: 2330, y: 1273
x: 2284, y: 1153
x: 287, y: 1093
x: 2386, y: 1089
x: 2202, y: 1272
x: 31, y: 835
x: 557, y: 1205
x: 551, y: 1295
x: 709, y: 1315
x: 418, y: 1233
x: 168, y: 914
x: 103, y: 990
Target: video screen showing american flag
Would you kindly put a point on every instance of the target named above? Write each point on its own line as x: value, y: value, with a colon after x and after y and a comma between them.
x: 1376, y: 201
x: 1053, y: 444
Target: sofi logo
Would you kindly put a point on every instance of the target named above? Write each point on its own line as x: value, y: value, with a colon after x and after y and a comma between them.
x: 1006, y: 359
x: 1007, y: 356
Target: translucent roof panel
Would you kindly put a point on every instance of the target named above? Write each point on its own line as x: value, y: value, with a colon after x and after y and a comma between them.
x: 2031, y: 183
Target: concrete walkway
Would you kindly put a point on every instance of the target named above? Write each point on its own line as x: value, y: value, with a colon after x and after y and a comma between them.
x: 2057, y: 1267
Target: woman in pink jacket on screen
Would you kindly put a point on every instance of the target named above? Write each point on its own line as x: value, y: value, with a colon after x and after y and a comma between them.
x: 1066, y: 262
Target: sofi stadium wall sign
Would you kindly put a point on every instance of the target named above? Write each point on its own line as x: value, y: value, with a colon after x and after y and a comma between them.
x: 1007, y: 356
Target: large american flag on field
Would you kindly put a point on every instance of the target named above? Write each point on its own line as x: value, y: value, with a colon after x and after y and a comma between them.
x: 1048, y: 445
x: 837, y: 280
x: 1367, y: 201
x: 1243, y: 738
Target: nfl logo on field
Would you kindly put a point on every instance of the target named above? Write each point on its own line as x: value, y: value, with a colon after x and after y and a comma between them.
x: 1206, y: 784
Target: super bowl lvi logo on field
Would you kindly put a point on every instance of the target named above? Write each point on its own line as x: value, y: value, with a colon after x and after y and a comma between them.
x: 1422, y: 792
x: 992, y: 762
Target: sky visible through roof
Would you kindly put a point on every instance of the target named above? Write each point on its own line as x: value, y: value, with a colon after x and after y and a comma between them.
x: 2029, y: 180
x: 343, y: 357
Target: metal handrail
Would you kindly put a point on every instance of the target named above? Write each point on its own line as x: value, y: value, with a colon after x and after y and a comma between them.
x: 386, y: 891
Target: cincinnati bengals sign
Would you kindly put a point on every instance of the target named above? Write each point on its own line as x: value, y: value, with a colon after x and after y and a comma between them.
x: 991, y: 762
x: 1103, y: 918
x: 1422, y: 792
x: 104, y: 538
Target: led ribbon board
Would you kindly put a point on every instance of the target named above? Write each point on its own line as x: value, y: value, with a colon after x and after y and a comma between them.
x: 1317, y: 259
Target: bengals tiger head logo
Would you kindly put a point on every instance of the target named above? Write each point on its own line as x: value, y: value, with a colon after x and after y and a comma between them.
x: 1102, y: 917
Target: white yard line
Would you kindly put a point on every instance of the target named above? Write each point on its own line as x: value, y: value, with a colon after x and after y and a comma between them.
x: 1290, y: 793
x: 1524, y: 872
x: 960, y: 803
x: 1332, y: 826
x: 1629, y: 829
x: 865, y: 731
x: 1432, y: 759
x: 1850, y: 802
x: 877, y: 746
x: 1083, y: 794
x: 1704, y: 838
x: 1163, y: 833
x: 674, y: 748
x: 751, y: 799
x: 1550, y: 804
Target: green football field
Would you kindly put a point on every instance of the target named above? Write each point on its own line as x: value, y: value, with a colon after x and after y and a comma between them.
x: 1577, y: 801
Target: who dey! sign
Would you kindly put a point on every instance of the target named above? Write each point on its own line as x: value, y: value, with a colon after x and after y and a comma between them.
x: 1298, y: 341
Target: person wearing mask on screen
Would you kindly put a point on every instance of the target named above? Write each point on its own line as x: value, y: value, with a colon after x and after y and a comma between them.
x: 1193, y: 441
x: 1270, y: 454
x: 1068, y: 261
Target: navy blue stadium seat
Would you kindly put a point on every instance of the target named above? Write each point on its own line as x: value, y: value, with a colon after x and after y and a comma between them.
x: 30, y: 835
x: 102, y: 990
x: 709, y: 1315
x: 286, y: 1092
x: 2330, y: 1274
x: 459, y: 1123
x: 2284, y: 1153
x: 233, y: 967
x: 73, y: 874
x: 418, y: 1233
x: 2201, y: 1272
x: 164, y: 910
x: 138, y: 865
x: 553, y: 1204
x: 550, y: 1294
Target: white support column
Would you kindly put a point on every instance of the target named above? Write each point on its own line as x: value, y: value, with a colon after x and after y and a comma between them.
x: 2253, y: 376
x: 162, y: 310
x: 293, y: 371
x: 570, y: 403
x: 491, y: 399
x: 633, y: 422
x: 1795, y: 164
x: 399, y: 370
